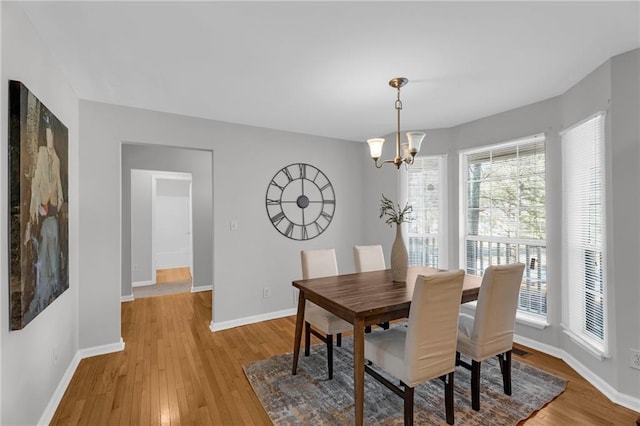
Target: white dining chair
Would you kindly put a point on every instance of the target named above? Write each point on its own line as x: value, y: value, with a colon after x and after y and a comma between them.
x: 426, y: 348
x: 490, y: 331
x: 317, y: 264
x: 369, y: 258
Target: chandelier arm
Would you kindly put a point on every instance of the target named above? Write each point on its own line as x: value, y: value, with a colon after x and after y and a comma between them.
x: 414, y: 138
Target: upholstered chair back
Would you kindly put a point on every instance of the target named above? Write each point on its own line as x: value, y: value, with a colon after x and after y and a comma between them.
x: 495, y: 315
x: 368, y: 258
x: 318, y: 263
x: 430, y: 347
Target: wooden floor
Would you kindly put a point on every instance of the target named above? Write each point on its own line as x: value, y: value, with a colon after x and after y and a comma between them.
x: 174, y: 370
x: 171, y: 275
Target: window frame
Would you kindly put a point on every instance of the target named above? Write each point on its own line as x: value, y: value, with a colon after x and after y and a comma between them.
x: 534, y: 319
x: 599, y: 348
x: 442, y: 242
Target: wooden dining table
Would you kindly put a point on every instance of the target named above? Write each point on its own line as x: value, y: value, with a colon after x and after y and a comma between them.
x: 363, y: 299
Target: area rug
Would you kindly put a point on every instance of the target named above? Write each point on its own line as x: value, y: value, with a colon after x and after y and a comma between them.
x: 309, y: 398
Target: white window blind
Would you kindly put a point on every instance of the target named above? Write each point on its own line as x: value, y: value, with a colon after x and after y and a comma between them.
x: 583, y: 211
x: 503, y: 201
x: 424, y: 194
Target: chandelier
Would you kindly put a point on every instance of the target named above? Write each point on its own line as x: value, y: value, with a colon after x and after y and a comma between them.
x: 406, y: 152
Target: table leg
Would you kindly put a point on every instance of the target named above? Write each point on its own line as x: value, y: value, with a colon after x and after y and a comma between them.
x: 298, y: 335
x: 358, y: 370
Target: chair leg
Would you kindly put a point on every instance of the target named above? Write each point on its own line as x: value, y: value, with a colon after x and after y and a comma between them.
x: 339, y: 339
x: 330, y: 354
x: 367, y: 329
x: 475, y: 385
x: 505, y: 369
x: 408, y: 405
x: 448, y: 398
x: 307, y: 338
x: 457, y: 358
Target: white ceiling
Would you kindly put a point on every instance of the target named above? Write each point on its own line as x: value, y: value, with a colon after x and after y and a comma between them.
x: 322, y: 68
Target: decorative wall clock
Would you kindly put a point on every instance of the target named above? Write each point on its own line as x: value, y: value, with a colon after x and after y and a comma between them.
x: 300, y: 201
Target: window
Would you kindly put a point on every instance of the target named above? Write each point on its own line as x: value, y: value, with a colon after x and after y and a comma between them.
x: 424, y: 194
x: 583, y: 215
x: 503, y: 214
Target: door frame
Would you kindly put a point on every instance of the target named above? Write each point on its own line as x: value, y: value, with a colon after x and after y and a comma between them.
x: 168, y: 175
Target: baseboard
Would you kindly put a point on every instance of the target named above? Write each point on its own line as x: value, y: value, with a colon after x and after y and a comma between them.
x: 142, y: 283
x: 55, y: 399
x: 102, y: 350
x: 52, y: 406
x: 605, y: 388
x: 127, y: 298
x: 201, y: 288
x: 251, y: 320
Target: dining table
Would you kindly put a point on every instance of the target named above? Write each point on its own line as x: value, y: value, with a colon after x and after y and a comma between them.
x: 364, y: 299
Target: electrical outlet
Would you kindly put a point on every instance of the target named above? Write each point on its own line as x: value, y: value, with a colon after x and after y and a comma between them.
x: 635, y: 358
x: 266, y: 293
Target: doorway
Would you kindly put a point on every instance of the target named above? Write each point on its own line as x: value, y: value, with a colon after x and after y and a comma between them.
x: 161, y: 232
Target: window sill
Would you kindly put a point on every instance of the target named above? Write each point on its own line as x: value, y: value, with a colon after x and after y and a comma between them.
x: 536, y: 321
x: 584, y: 344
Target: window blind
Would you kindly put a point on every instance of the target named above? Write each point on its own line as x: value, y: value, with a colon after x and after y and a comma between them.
x: 583, y: 205
x: 424, y: 194
x: 503, y: 191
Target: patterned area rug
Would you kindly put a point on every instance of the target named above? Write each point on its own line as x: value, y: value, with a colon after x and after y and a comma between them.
x: 310, y: 398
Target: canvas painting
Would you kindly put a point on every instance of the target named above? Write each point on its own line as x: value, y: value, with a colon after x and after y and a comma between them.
x: 38, y: 211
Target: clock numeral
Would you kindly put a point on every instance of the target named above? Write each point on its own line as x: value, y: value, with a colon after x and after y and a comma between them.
x: 277, y: 218
x: 316, y: 176
x: 305, y: 234
x: 329, y: 201
x: 274, y: 183
x: 303, y: 171
x: 318, y: 227
x: 287, y: 173
x: 328, y: 185
x: 271, y: 202
x: 326, y: 215
x: 289, y: 231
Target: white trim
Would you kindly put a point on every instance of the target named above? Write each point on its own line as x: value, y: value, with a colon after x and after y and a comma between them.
x: 590, y: 348
x: 102, y: 350
x: 52, y: 406
x: 573, y: 126
x: 142, y: 283
x: 197, y: 289
x: 127, y: 298
x: 54, y: 401
x: 251, y: 320
x: 606, y: 389
x: 154, y: 277
x: 536, y: 321
x: 538, y: 137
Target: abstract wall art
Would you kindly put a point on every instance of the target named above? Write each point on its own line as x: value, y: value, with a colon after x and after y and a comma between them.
x: 38, y: 210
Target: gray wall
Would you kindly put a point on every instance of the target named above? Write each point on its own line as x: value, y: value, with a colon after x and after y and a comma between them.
x: 254, y: 256
x: 613, y: 87
x: 28, y: 373
x: 140, y: 228
x: 199, y: 163
x: 244, y: 261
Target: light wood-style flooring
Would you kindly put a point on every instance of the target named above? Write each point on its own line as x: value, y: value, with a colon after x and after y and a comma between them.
x: 174, y: 371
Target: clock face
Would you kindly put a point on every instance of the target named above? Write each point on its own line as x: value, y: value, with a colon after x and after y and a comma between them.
x: 300, y: 201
